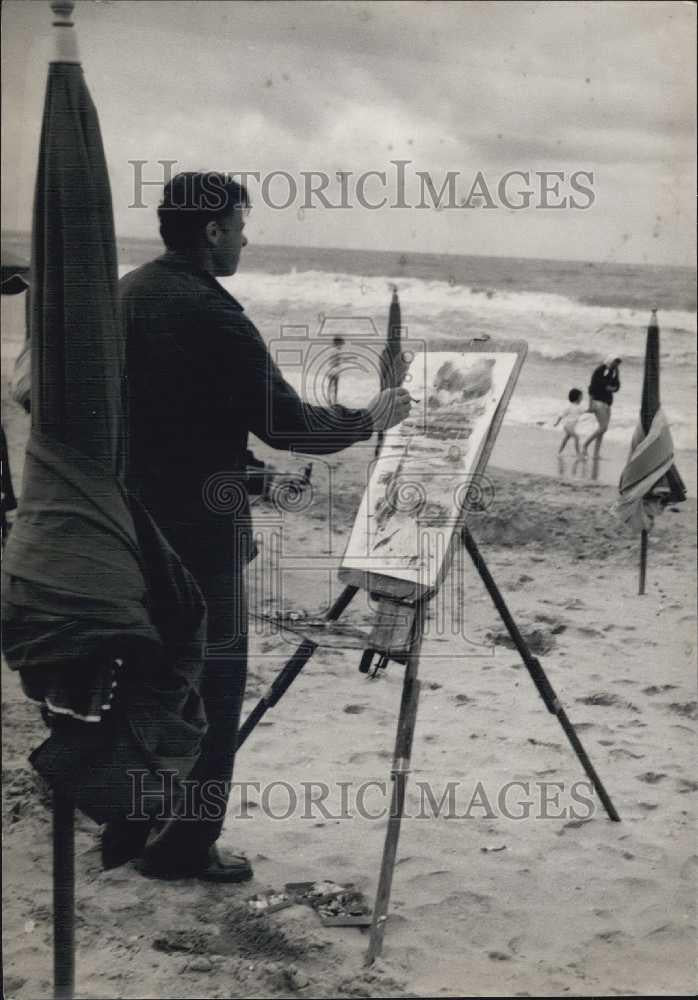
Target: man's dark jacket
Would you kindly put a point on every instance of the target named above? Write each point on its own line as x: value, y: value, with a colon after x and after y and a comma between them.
x: 604, y: 382
x: 200, y: 377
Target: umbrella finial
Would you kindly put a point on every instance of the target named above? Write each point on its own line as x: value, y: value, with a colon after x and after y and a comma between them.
x: 62, y: 10
x: 66, y: 43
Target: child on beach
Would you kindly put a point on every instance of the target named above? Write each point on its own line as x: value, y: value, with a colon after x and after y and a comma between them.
x: 570, y: 415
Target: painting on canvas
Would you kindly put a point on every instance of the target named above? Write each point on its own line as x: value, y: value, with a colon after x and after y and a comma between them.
x: 430, y: 465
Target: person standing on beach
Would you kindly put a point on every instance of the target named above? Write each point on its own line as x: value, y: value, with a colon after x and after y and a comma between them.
x: 605, y: 382
x: 200, y: 377
x: 335, y: 369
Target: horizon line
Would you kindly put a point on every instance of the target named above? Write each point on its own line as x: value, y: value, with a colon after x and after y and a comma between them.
x: 26, y: 234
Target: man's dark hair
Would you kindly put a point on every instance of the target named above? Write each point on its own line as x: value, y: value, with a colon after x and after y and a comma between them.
x: 190, y: 200
x: 574, y: 395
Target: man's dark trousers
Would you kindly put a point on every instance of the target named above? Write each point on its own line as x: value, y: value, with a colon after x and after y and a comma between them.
x: 218, y: 561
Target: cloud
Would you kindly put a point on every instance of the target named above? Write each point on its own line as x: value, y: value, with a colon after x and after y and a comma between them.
x: 329, y: 85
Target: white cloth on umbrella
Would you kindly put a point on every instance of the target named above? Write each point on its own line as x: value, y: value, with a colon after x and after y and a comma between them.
x: 651, y: 456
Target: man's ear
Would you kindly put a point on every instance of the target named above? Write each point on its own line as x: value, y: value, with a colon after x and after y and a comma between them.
x: 213, y: 232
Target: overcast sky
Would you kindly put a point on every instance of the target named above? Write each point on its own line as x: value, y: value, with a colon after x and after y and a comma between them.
x: 464, y: 87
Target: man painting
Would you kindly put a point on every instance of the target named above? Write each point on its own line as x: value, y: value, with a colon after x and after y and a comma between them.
x: 199, y: 379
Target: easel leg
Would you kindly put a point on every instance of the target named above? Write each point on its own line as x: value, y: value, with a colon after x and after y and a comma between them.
x: 538, y: 676
x: 63, y: 898
x: 400, y: 770
x: 291, y: 669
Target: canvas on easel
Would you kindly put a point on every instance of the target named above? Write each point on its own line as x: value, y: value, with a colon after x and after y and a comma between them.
x: 430, y: 466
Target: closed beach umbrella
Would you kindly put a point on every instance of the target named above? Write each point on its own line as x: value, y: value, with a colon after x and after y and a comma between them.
x: 670, y: 487
x: 391, y: 373
x: 76, y: 363
x: 650, y: 480
x: 389, y: 370
x: 77, y: 349
x: 91, y: 590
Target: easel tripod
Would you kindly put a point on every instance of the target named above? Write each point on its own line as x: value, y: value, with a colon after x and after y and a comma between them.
x: 397, y: 635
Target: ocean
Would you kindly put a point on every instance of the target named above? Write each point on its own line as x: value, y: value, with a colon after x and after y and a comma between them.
x: 572, y: 314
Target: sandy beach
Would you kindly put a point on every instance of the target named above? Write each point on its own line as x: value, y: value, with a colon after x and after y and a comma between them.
x: 512, y: 185
x: 516, y: 885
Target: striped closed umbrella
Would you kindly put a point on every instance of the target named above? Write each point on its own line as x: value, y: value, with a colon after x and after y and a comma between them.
x: 650, y: 480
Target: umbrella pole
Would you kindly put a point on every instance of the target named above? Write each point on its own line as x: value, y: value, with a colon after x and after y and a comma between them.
x: 63, y: 897
x: 643, y: 560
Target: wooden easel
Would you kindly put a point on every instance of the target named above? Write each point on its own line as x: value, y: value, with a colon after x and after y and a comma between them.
x: 397, y: 635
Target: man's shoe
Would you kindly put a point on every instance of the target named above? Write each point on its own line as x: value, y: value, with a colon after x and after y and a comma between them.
x: 235, y: 868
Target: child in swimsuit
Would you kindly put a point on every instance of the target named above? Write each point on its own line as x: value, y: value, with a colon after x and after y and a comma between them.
x: 569, y: 417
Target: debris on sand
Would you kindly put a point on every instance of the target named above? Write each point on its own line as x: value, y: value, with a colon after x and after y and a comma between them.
x: 336, y: 905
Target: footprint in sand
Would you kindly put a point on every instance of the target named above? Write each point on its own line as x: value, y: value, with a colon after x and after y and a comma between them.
x: 574, y: 824
x: 609, y: 936
x: 587, y: 631
x: 557, y: 627
x: 651, y: 777
x: 687, y: 710
x: 365, y: 755
x: 606, y: 699
x: 354, y: 709
x: 539, y: 640
x: 454, y: 904
x: 463, y: 699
